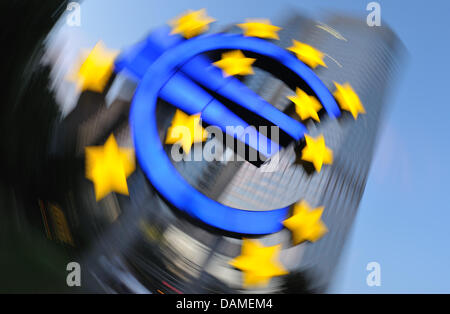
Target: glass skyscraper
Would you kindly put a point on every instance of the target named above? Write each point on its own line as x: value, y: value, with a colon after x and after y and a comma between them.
x: 142, y: 244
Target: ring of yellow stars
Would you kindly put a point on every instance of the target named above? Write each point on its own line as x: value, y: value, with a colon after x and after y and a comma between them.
x: 261, y: 28
x: 191, y: 24
x: 235, y: 63
x: 316, y: 152
x: 307, y: 54
x: 185, y: 130
x: 95, y: 70
x: 108, y: 167
x: 258, y: 263
x: 306, y: 106
x: 348, y: 99
x: 305, y: 223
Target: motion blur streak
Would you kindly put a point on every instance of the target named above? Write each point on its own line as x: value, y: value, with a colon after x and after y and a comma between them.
x: 59, y: 202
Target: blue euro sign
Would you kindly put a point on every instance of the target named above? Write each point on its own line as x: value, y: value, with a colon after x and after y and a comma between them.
x: 174, y: 69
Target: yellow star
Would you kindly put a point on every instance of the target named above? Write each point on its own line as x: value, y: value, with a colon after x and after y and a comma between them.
x: 191, y: 24
x: 348, y: 99
x: 185, y: 130
x: 305, y: 223
x: 306, y: 106
x: 95, y: 69
x: 235, y: 63
x: 260, y: 28
x: 108, y: 167
x: 258, y: 263
x: 307, y: 54
x: 316, y: 152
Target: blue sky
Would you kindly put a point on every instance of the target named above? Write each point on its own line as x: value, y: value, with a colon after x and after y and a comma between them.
x: 403, y: 218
